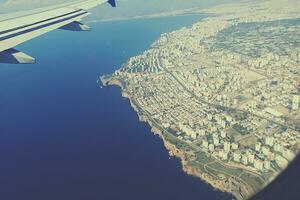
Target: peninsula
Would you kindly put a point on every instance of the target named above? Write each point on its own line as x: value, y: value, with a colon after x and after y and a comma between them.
x: 224, y: 94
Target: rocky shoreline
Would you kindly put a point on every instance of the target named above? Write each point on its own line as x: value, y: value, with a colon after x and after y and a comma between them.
x: 219, y: 185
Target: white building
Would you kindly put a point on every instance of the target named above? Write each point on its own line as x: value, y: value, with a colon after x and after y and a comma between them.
x: 223, y: 134
x: 202, y: 132
x: 194, y: 135
x: 237, y: 156
x: 265, y: 150
x: 205, y: 144
x: 223, y: 155
x: 250, y: 157
x: 288, y: 154
x: 244, y: 159
x: 281, y: 161
x: 226, y: 146
x: 267, y: 164
x: 295, y: 103
x: 257, y: 146
x: 269, y: 141
x: 234, y: 146
x: 211, y: 147
x: 258, y: 164
x: 278, y: 147
x: 216, y: 140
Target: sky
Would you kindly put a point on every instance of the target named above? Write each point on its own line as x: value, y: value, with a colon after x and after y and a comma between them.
x: 126, y: 8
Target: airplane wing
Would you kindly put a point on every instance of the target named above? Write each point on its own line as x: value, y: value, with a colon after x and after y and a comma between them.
x: 19, y: 28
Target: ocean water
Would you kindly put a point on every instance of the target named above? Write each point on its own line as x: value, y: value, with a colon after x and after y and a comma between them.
x: 63, y: 137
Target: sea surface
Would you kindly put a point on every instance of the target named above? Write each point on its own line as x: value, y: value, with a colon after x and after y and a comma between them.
x: 63, y: 137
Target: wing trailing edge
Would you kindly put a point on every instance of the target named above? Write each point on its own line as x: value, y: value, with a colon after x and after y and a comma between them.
x: 13, y: 56
x: 76, y: 26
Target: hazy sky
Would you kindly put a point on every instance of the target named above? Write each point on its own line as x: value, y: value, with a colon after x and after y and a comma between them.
x: 125, y: 7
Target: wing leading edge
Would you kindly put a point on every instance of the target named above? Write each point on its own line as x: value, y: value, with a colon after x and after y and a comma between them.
x: 19, y: 29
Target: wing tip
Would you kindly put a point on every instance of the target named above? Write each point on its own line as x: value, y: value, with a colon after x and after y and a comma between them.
x: 112, y: 3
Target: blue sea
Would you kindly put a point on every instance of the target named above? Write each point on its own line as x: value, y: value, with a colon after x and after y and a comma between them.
x: 63, y: 137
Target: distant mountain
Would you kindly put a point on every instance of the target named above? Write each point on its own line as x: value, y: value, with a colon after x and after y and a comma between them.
x: 126, y: 8
x: 131, y: 8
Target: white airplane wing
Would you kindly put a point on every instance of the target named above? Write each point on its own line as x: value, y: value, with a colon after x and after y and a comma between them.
x: 17, y: 28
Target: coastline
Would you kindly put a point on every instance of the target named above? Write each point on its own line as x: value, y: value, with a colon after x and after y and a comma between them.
x: 218, y: 185
x: 184, y: 12
x: 144, y: 17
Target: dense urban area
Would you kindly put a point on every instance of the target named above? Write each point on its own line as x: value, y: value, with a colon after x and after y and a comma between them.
x: 224, y: 94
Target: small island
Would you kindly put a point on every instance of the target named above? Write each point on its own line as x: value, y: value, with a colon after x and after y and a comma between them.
x: 224, y: 94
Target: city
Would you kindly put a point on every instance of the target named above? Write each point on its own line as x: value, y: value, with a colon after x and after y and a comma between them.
x: 223, y: 94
